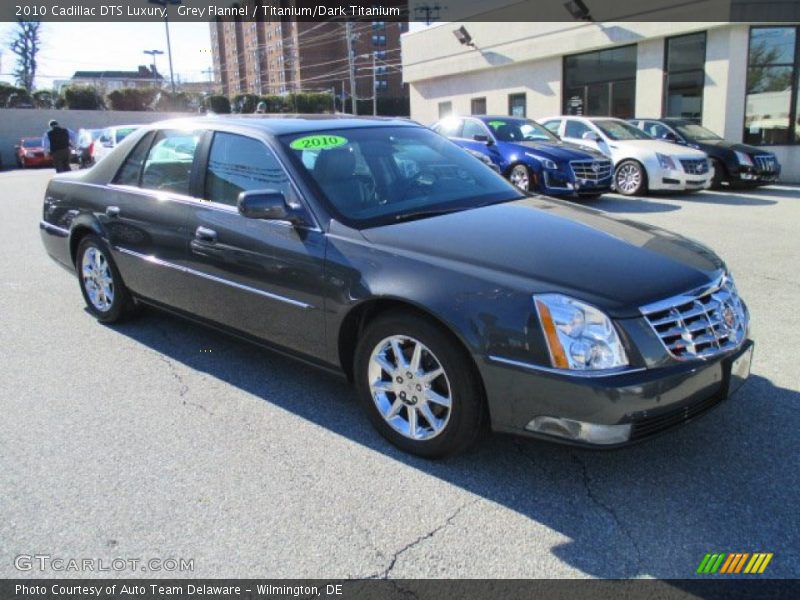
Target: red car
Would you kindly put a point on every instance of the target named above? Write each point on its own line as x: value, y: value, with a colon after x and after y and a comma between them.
x: 30, y: 153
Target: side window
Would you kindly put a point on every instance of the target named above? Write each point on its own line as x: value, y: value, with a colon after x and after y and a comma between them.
x: 553, y: 126
x: 237, y: 164
x: 575, y: 129
x: 473, y: 128
x: 130, y: 170
x: 656, y: 130
x: 450, y: 127
x: 168, y: 166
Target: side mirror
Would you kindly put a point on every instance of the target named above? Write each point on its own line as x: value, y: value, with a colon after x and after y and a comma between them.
x: 265, y: 204
x: 479, y: 137
x: 590, y: 136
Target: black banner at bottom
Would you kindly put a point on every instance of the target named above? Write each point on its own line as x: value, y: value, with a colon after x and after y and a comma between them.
x: 446, y: 589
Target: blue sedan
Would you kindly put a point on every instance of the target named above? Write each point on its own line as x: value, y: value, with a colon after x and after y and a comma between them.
x: 530, y: 156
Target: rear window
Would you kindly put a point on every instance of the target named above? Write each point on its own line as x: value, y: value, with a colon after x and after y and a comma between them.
x: 379, y: 175
x: 35, y: 143
x: 123, y: 133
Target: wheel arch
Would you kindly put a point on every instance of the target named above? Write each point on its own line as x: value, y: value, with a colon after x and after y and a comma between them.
x: 82, y: 227
x: 642, y: 164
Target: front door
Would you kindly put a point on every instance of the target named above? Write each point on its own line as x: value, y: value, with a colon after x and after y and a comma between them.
x: 262, y: 277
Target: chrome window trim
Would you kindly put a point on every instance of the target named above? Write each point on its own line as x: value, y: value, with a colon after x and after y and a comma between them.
x: 590, y: 374
x: 163, y: 263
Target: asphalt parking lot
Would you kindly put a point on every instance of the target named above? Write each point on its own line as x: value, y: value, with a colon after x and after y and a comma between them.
x: 161, y: 439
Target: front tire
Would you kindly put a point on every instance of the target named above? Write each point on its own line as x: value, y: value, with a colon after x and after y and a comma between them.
x: 102, y: 287
x: 630, y: 178
x: 520, y: 176
x: 418, y: 385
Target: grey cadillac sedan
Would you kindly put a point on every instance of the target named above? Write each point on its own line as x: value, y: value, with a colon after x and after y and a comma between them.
x: 381, y: 250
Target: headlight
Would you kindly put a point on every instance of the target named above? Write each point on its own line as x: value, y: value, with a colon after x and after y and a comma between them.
x: 546, y: 162
x: 665, y: 161
x: 744, y: 158
x: 579, y: 336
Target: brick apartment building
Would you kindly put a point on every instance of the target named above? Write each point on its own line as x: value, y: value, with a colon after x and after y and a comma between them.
x: 284, y: 55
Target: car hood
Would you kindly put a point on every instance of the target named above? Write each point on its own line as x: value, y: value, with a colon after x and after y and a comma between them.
x: 668, y: 148
x: 559, y: 151
x: 726, y: 145
x: 554, y: 246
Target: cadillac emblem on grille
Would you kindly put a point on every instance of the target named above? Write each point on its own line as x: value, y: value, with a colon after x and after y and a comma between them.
x: 596, y: 167
x: 702, y: 323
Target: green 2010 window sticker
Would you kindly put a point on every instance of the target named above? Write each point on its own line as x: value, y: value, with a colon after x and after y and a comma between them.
x: 318, y: 142
x: 496, y: 124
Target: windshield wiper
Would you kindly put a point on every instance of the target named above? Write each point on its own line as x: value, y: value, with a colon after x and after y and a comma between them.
x: 423, y: 214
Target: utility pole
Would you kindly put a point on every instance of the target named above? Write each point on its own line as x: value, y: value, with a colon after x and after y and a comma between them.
x: 351, y: 66
x: 374, y: 87
x: 153, y: 54
x: 333, y: 98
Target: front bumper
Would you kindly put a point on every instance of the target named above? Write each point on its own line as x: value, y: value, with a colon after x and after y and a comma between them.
x: 636, y: 404
x: 558, y: 183
x: 677, y: 180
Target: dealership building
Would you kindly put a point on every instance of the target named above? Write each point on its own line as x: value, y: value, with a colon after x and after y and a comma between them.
x: 739, y: 80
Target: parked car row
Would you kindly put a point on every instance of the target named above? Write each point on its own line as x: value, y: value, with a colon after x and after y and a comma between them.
x: 585, y: 157
x: 88, y: 146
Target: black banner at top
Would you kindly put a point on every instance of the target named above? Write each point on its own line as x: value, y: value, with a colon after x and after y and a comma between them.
x: 425, y: 11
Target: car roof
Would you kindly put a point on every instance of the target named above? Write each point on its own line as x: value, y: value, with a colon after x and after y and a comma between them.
x: 291, y: 123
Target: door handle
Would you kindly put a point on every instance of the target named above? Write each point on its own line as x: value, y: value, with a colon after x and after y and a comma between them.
x: 112, y: 211
x: 205, y: 234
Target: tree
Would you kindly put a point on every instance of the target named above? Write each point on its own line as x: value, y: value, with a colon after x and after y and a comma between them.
x: 139, y: 99
x: 26, y: 45
x: 80, y: 97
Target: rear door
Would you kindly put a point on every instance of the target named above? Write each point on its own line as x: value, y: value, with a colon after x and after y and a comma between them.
x: 262, y: 277
x: 147, y: 212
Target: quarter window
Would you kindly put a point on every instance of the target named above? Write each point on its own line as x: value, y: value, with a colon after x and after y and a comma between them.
x: 237, y: 164
x: 131, y: 169
x: 168, y: 166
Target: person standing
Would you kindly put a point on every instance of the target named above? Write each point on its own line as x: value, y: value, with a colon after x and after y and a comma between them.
x: 56, y: 142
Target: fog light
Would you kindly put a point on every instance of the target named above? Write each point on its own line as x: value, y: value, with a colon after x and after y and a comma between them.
x: 591, y: 433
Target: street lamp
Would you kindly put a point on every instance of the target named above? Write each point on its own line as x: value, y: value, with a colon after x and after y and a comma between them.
x: 153, y: 54
x: 165, y: 3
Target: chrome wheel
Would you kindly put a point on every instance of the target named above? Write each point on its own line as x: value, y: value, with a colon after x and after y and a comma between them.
x: 520, y: 177
x: 409, y: 387
x: 629, y: 178
x: 97, y: 279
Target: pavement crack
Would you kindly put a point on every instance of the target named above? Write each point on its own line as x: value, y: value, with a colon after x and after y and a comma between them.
x: 183, y: 389
x: 395, y: 557
x: 587, y: 484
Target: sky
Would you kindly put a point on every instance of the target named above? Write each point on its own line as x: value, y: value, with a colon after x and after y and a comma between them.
x: 70, y: 47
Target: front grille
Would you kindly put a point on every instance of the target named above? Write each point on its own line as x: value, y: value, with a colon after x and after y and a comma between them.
x: 695, y: 166
x: 591, y: 170
x: 701, y: 324
x: 766, y: 163
x: 644, y: 427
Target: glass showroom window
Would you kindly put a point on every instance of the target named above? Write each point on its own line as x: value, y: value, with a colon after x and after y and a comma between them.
x: 517, y: 105
x: 686, y: 75
x: 601, y: 83
x: 771, y: 103
x: 478, y: 106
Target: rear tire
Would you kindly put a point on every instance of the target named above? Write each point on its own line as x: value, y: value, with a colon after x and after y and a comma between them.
x: 418, y: 385
x: 101, y: 284
x: 719, y: 174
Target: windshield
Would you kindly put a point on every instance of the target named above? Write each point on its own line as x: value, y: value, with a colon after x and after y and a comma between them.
x: 379, y: 175
x: 31, y: 143
x: 620, y: 130
x: 693, y: 131
x: 519, y: 130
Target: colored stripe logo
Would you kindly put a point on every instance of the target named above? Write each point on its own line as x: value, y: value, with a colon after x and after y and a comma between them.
x: 734, y: 562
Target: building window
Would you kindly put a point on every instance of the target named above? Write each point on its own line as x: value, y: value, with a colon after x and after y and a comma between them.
x: 517, y: 106
x: 771, y: 103
x: 381, y: 84
x: 601, y: 83
x: 380, y: 54
x: 445, y: 109
x: 378, y: 25
x: 478, y: 106
x: 378, y: 40
x: 686, y: 76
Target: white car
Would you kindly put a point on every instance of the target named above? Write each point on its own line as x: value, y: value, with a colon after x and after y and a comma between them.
x: 641, y: 163
x: 109, y: 139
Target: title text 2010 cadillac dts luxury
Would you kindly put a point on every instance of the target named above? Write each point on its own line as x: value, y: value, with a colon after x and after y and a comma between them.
x: 381, y: 249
